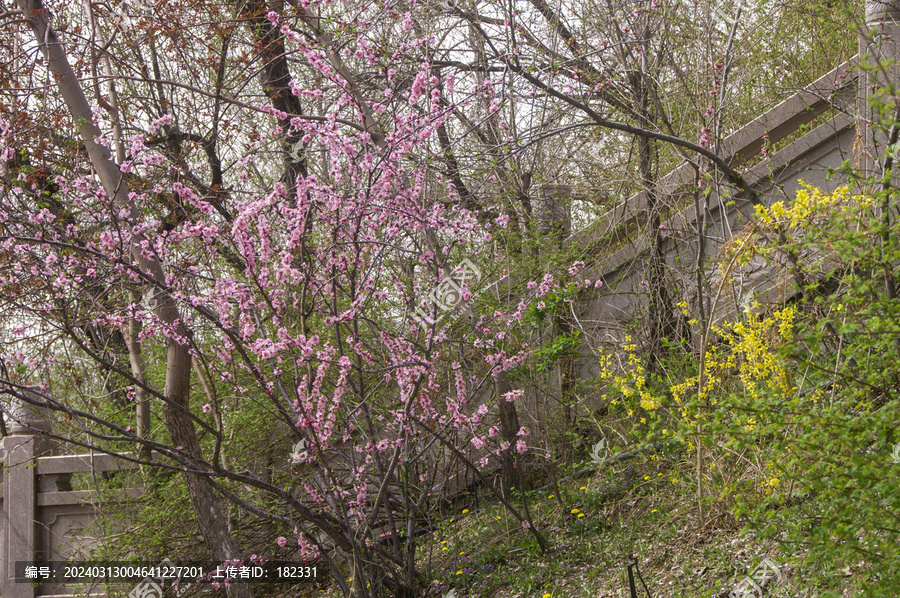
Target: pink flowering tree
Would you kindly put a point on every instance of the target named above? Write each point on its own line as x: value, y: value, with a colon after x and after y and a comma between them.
x: 215, y: 256
x: 303, y: 227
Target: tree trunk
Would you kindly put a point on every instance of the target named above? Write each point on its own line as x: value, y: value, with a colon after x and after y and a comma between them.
x: 659, y: 308
x: 509, y: 427
x: 207, y: 506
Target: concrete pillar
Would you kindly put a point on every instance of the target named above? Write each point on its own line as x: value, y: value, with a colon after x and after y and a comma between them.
x: 879, y: 42
x: 552, y: 212
x: 18, y: 516
x: 28, y: 419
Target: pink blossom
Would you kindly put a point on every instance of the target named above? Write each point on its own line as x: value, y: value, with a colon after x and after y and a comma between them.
x: 513, y: 395
x: 165, y: 119
x: 207, y: 408
x: 281, y: 541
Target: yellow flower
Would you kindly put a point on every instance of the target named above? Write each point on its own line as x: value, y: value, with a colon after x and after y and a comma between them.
x: 465, y: 511
x: 459, y: 572
x: 498, y: 517
x: 581, y: 514
x: 583, y: 488
x: 653, y: 511
x: 552, y: 496
x: 546, y: 595
x: 574, y: 511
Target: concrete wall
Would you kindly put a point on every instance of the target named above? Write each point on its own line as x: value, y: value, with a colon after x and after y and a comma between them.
x: 607, y: 314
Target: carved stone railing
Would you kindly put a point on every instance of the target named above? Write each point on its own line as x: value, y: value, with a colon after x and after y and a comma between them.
x: 622, y: 237
x: 41, y: 518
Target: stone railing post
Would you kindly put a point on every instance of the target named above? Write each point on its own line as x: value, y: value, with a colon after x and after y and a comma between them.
x: 552, y: 213
x: 18, y: 517
x: 879, y: 42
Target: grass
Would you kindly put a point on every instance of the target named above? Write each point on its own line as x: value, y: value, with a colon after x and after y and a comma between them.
x: 591, y: 524
x: 646, y: 505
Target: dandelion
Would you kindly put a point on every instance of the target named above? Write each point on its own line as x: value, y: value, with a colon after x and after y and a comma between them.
x: 583, y: 488
x: 575, y: 511
x: 580, y: 515
x: 546, y: 595
x: 465, y: 511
